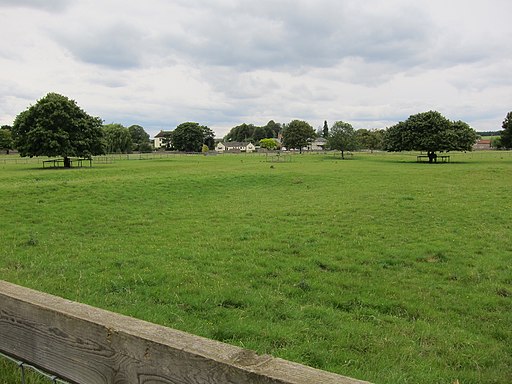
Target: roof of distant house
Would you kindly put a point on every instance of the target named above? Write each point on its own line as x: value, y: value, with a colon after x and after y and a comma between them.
x: 162, y: 133
x: 230, y: 144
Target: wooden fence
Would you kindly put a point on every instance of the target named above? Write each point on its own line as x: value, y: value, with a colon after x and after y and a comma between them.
x: 86, y: 345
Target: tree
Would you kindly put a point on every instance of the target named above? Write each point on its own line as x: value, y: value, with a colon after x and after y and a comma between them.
x: 272, y: 129
x: 140, y: 139
x: 431, y: 132
x: 250, y: 132
x: 117, y: 138
x: 370, y: 139
x: 6, y: 141
x: 167, y: 141
x: 297, y: 135
x: 208, y: 137
x: 188, y: 137
x: 268, y: 143
x: 342, y: 138
x: 57, y: 126
x: 506, y: 134
x: 325, y: 130
x: 243, y: 132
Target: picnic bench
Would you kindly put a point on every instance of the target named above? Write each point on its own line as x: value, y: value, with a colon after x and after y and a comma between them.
x: 438, y: 159
x: 79, y: 162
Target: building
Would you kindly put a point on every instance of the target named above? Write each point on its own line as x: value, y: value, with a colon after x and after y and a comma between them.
x: 483, y: 145
x: 235, y: 146
x: 159, y: 140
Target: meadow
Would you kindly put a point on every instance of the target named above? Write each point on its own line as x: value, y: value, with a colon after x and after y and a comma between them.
x: 376, y: 267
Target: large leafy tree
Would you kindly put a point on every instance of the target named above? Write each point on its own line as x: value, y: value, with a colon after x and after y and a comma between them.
x: 117, y: 138
x: 140, y: 139
x: 298, y: 134
x: 272, y: 129
x: 372, y: 139
x: 506, y: 134
x: 208, y: 137
x: 430, y: 132
x: 57, y: 126
x: 242, y: 132
x: 250, y: 132
x: 342, y: 137
x: 6, y: 142
x: 188, y: 137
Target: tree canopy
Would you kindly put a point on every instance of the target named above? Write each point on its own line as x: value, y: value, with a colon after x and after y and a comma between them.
x: 342, y: 137
x: 506, y: 134
x: 57, y: 126
x: 251, y: 133
x: 117, y: 139
x: 429, y: 131
x: 208, y: 137
x: 6, y: 141
x: 372, y: 139
x: 140, y: 139
x: 298, y: 134
x: 188, y: 137
x: 268, y: 143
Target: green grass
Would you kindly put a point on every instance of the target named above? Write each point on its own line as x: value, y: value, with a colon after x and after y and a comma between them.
x: 377, y: 267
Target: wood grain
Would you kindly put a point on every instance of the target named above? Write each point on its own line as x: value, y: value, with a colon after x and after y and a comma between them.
x: 87, y: 345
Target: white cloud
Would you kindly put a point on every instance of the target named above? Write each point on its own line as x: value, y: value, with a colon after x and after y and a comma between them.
x: 222, y: 63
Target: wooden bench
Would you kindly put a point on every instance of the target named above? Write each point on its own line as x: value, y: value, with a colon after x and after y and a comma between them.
x: 54, y: 163
x: 437, y: 159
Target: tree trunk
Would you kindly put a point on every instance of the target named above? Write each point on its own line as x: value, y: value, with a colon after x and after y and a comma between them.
x: 342, y: 155
x: 67, y: 162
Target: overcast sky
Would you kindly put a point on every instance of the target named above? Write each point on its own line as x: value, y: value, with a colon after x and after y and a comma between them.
x: 220, y: 63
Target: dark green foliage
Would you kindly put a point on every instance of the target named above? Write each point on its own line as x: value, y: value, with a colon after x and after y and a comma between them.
x: 298, y: 134
x: 188, y: 137
x: 429, y: 131
x: 342, y: 138
x: 57, y: 126
x: 140, y: 139
x: 506, y: 134
x: 252, y: 133
x: 370, y: 139
x: 208, y: 137
x: 117, y: 139
x: 325, y: 130
x: 6, y: 141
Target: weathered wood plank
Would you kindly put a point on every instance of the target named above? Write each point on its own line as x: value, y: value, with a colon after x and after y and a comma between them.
x: 87, y: 345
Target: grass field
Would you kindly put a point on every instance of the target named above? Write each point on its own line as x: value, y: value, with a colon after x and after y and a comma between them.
x: 377, y: 267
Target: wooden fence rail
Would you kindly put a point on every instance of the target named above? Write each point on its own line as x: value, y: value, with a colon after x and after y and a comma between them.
x: 87, y: 345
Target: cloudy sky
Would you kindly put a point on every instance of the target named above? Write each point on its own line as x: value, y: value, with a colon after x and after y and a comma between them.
x: 158, y: 63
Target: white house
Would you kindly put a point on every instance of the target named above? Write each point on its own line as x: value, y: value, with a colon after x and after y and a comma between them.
x: 159, y: 138
x: 319, y: 144
x: 235, y: 146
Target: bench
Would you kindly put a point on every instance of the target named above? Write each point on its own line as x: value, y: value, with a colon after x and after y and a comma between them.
x: 438, y: 159
x: 54, y: 163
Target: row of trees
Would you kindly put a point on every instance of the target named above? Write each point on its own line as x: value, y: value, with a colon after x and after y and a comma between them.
x: 56, y: 126
x: 119, y: 139
x: 427, y: 131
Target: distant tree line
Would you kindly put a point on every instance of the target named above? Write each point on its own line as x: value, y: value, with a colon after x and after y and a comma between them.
x: 57, y: 126
x: 252, y: 133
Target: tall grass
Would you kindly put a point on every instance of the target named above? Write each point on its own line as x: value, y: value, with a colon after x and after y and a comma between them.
x: 376, y: 267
